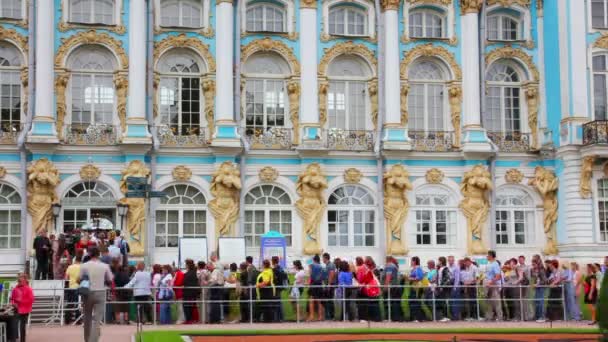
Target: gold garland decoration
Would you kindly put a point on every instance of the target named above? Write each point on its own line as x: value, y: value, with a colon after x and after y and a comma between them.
x: 508, y: 52
x: 183, y: 41
x: 346, y: 48
x: 268, y: 44
x: 91, y: 37
x: 430, y: 50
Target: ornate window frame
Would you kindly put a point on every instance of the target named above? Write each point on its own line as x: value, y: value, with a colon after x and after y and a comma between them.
x: 525, y: 21
x: 444, y: 6
x: 599, y: 173
x: 21, y: 43
x: 599, y: 47
x: 267, y: 208
x: 368, y: 8
x: 23, y: 21
x: 531, y: 228
x: 351, y: 208
x: 13, y: 207
x: 206, y: 30
x: 290, y: 19
x: 590, y: 28
x: 117, y: 27
x: 452, y: 206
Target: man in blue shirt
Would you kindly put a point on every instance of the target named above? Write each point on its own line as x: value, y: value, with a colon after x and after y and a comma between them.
x: 456, y: 302
x: 331, y: 280
x: 492, y: 282
x: 415, y: 296
x: 391, y: 281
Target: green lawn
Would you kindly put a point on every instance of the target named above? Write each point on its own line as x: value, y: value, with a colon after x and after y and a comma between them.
x: 175, y: 336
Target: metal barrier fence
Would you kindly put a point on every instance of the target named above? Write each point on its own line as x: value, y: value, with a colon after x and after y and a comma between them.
x: 347, y: 301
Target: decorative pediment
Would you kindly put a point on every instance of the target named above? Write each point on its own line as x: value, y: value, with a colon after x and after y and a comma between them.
x: 346, y: 48
x: 183, y: 41
x: 90, y: 37
x: 268, y: 44
x: 430, y: 50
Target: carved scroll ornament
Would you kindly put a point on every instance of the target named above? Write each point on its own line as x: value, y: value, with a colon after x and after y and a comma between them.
x: 470, y: 6
x: 434, y: 176
x: 90, y: 37
x: 293, y: 92
x: 509, y: 52
x: 396, y: 206
x: 209, y: 95
x: 532, y: 102
x: 225, y: 188
x: 42, y: 178
x: 136, y: 215
x: 430, y: 50
x: 546, y: 183
x: 323, y: 89
x: 2, y: 172
x: 346, y: 48
x: 61, y: 83
x: 475, y: 206
x: 121, y: 84
x: 311, y: 205
x: 372, y: 89
x: 455, y: 98
x: 183, y: 41
x: 586, y: 174
x: 277, y: 46
x: 405, y: 89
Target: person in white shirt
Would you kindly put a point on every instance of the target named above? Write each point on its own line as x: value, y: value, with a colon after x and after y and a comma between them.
x: 165, y: 294
x: 216, y: 281
x: 468, y: 277
x: 140, y: 283
x: 114, y: 253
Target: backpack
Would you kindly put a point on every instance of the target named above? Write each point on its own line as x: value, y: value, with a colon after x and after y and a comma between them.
x: 280, y: 277
x: 447, y: 278
x: 253, y: 276
x: 124, y: 247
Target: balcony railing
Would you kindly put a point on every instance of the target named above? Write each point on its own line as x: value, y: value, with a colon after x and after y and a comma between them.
x: 9, y: 133
x: 436, y: 141
x: 94, y: 134
x: 350, y: 140
x: 173, y: 136
x: 511, y: 141
x: 274, y: 138
x: 595, y: 133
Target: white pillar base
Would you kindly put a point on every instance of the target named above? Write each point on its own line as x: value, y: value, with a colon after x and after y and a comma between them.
x: 43, y: 130
x: 475, y: 139
x: 137, y: 132
x: 396, y: 138
x: 226, y: 134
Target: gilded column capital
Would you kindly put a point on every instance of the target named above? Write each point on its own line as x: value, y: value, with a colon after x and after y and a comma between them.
x: 217, y: 2
x: 470, y: 6
x: 390, y: 5
x: 308, y: 4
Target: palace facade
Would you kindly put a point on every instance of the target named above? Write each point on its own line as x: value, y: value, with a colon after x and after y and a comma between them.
x: 357, y: 127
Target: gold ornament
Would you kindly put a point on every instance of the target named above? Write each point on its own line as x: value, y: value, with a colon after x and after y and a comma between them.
x: 346, y: 48
x: 508, y: 52
x: 405, y: 89
x: 601, y: 42
x: 388, y: 5
x: 372, y: 89
x: 209, y: 94
x: 136, y: 215
x: 430, y: 50
x: 396, y: 206
x: 475, y: 206
x: 2, y: 171
x: 586, y: 173
x: 455, y: 93
x: 90, y: 37
x: 434, y: 176
x: 430, y: 2
x: 293, y: 91
x: 183, y: 41
x: 67, y: 26
x: 61, y: 83
x: 89, y: 173
x: 546, y: 183
x: 268, y: 174
x: 225, y: 188
x: 21, y: 42
x: 352, y: 175
x: 24, y: 85
x: 308, y: 4
x: 532, y: 102
x: 277, y: 46
x: 121, y: 83
x: 508, y: 3
x: 323, y: 88
x: 42, y: 178
x: 514, y: 176
x: 539, y: 8
x: 155, y: 84
x: 470, y: 6
x: 311, y: 205
x: 181, y: 173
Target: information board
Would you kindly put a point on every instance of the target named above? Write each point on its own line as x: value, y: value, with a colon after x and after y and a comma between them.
x: 273, y: 244
x: 192, y: 248
x: 231, y: 250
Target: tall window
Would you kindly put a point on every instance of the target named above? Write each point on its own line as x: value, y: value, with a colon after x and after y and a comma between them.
x: 504, y: 99
x: 10, y: 217
x: 11, y: 9
x: 351, y: 218
x: 347, y: 95
x: 89, y: 204
x: 267, y: 207
x: 92, y: 11
x: 10, y: 87
x: 347, y: 21
x: 265, y: 98
x: 180, y: 92
x: 265, y: 17
x: 181, y: 214
x: 426, y: 97
x: 503, y: 26
x: 602, y: 204
x: 435, y: 213
x: 426, y: 23
x: 92, y: 88
x: 599, y: 14
x: 181, y: 13
x: 514, y: 217
x: 600, y: 88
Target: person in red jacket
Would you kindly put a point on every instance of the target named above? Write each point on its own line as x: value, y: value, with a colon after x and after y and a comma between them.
x: 178, y: 284
x: 22, y: 298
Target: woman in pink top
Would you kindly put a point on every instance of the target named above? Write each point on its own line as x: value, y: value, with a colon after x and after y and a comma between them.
x: 22, y: 298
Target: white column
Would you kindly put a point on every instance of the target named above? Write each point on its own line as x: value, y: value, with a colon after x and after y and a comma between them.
x: 43, y: 125
x: 137, y: 125
x: 475, y: 139
x: 309, y: 100
x: 578, y: 53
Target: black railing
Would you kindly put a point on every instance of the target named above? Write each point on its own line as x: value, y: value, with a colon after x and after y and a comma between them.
x: 91, y: 134
x: 510, y: 141
x: 595, y: 133
x: 174, y: 136
x: 274, y: 138
x: 435, y: 141
x: 349, y: 140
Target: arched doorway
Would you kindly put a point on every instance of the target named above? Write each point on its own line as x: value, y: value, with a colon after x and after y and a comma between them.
x: 89, y: 205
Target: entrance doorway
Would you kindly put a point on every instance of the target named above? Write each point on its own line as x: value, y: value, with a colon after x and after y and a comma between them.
x: 89, y: 206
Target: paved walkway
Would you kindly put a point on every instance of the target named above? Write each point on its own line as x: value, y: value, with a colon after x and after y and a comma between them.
x: 123, y: 333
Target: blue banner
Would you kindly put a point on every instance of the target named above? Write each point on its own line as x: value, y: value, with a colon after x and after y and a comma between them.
x: 273, y: 244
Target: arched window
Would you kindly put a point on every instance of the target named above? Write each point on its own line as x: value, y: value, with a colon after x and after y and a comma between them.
x: 181, y: 214
x: 11, y: 9
x: 503, y: 114
x: 426, y: 97
x: 181, y: 13
x: 92, y: 11
x: 435, y: 212
x: 265, y: 17
x: 265, y: 98
x: 347, y: 95
x: 427, y: 23
x: 602, y: 206
x: 267, y: 207
x: 347, y: 21
x: 10, y: 87
x: 10, y: 217
x: 600, y: 88
x: 503, y: 26
x: 89, y: 204
x: 351, y: 218
x: 180, y: 91
x: 92, y: 88
x: 599, y: 14
x: 514, y: 217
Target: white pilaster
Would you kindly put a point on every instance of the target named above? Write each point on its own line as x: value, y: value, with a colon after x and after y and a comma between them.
x: 137, y: 125
x: 225, y: 128
x: 475, y: 138
x: 43, y: 125
x: 546, y: 137
x: 578, y: 63
x: 309, y: 100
